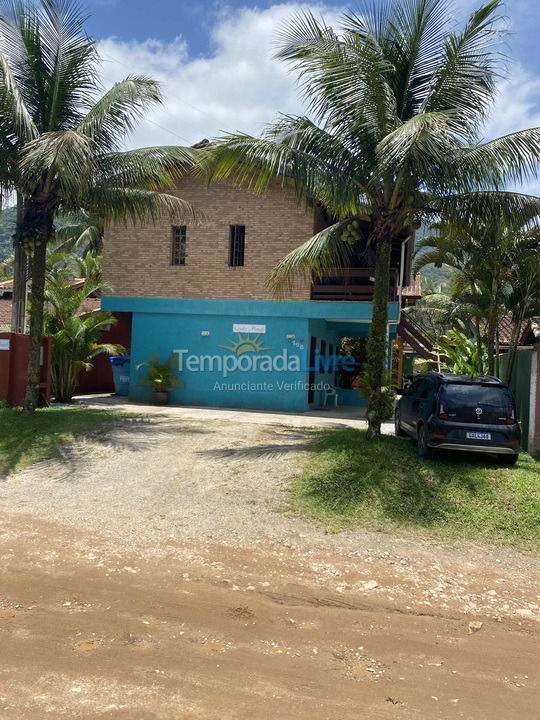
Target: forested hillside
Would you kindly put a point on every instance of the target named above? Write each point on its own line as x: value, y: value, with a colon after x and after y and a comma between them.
x: 7, y: 228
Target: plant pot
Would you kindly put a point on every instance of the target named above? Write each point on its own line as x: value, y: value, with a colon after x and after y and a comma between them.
x: 161, y: 397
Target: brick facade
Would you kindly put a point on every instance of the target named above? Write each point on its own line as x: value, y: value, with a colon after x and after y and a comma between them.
x: 137, y: 259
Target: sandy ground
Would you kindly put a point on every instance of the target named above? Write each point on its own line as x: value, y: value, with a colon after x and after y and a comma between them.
x: 150, y: 577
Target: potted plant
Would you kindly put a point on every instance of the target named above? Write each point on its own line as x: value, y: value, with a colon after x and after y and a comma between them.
x: 161, y: 376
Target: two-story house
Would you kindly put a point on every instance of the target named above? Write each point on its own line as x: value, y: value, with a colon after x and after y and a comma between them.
x: 200, y: 292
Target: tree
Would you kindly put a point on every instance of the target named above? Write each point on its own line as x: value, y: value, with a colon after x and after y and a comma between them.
x: 489, y: 257
x: 61, y: 142
x: 76, y: 336
x: 397, y: 100
x: 523, y: 299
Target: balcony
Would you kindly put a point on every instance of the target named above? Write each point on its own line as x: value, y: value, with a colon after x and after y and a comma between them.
x: 352, y: 284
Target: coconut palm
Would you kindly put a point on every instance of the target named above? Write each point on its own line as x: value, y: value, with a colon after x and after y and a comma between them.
x: 60, y: 141
x: 397, y: 100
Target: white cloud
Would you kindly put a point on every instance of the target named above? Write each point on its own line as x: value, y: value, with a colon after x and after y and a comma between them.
x: 517, y: 108
x: 518, y: 104
x: 238, y: 87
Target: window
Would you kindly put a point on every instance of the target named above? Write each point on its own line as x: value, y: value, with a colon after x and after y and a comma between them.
x: 237, y: 243
x: 178, y: 255
x: 415, y: 389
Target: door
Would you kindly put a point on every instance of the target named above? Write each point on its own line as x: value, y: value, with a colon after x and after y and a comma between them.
x: 411, y: 404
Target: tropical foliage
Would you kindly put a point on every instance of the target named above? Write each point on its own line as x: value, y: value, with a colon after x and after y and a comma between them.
x: 161, y: 375
x: 60, y: 141
x: 496, y: 275
x: 76, y: 335
x: 397, y: 100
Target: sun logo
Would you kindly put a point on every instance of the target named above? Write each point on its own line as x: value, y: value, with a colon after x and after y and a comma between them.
x: 245, y: 344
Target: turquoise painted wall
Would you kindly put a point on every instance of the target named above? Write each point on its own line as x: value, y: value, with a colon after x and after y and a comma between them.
x: 254, y: 388
x: 199, y: 327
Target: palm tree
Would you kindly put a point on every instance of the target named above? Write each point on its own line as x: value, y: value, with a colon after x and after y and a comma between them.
x: 61, y: 141
x: 397, y: 100
x: 76, y: 336
x: 523, y: 299
x: 489, y: 258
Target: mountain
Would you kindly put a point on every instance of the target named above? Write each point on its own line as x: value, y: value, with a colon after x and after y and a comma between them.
x: 7, y: 228
x: 433, y: 275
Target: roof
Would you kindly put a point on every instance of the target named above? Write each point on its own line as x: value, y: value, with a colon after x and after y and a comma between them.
x: 529, y: 327
x: 90, y: 304
x: 414, y: 289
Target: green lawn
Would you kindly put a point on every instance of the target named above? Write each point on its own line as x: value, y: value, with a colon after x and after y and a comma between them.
x: 27, y: 439
x: 349, y: 481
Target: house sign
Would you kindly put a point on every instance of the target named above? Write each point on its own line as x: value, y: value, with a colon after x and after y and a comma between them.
x: 259, y: 329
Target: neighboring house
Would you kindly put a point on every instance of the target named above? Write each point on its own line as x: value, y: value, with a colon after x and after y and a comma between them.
x: 200, y: 292
x: 99, y: 379
x: 92, y: 302
x: 6, y: 298
x: 525, y: 376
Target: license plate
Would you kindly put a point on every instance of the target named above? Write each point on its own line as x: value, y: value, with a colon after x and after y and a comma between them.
x: 478, y: 436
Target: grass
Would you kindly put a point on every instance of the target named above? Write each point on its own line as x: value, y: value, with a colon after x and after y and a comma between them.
x: 27, y: 439
x: 350, y: 481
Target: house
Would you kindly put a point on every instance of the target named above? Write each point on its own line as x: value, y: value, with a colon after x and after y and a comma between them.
x: 200, y: 294
x: 92, y: 302
x: 6, y: 299
x: 525, y: 380
x: 99, y: 379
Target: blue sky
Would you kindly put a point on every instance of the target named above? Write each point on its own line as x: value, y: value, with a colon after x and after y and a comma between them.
x: 215, y: 62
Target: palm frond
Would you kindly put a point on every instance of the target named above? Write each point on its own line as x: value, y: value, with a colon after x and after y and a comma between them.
x: 483, y: 206
x: 115, y: 114
x: 125, y: 205
x: 14, y: 108
x: 68, y: 160
x: 512, y: 158
x: 465, y: 78
x: 319, y: 256
x: 151, y: 168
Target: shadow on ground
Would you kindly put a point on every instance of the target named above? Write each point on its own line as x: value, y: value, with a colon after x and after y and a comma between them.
x: 350, y: 480
x: 50, y: 434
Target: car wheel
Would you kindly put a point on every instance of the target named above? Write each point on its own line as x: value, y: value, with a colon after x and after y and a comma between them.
x: 507, y: 459
x: 423, y: 448
x: 397, y: 424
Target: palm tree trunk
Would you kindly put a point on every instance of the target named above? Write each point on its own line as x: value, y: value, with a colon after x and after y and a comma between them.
x: 514, y: 346
x: 376, y: 351
x: 492, y: 327
x: 38, y: 229
x: 20, y: 275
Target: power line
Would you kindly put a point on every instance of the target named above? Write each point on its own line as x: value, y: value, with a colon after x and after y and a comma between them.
x: 176, y: 97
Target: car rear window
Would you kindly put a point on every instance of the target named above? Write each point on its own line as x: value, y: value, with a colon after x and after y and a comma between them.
x: 462, y: 402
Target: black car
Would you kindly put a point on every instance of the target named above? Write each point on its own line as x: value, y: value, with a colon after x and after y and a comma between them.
x: 454, y: 412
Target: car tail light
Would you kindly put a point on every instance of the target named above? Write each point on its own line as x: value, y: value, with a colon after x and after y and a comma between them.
x: 511, y: 417
x: 443, y: 414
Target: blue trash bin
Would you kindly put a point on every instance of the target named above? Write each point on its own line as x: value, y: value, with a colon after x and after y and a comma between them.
x: 120, y: 369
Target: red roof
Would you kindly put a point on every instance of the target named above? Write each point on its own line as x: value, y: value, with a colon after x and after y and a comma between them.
x: 90, y: 304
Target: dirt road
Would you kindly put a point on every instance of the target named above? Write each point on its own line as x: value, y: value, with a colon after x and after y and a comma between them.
x: 260, y: 617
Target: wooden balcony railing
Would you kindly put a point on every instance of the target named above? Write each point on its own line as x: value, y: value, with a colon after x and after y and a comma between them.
x: 352, y: 284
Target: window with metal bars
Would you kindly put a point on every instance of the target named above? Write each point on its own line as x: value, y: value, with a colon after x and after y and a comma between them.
x: 178, y: 254
x: 237, y: 244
